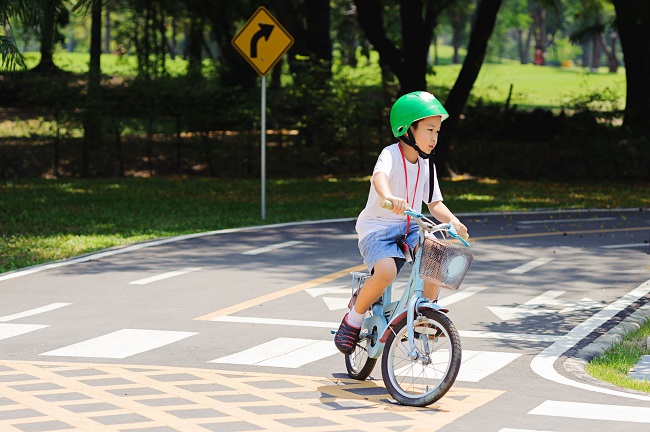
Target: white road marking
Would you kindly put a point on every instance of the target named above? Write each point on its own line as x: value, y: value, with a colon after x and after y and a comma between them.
x: 282, y: 352
x: 11, y: 330
x: 336, y: 303
x: 591, y: 411
x: 340, y: 289
x: 477, y: 365
x: 529, y: 266
x: 275, y: 321
x: 585, y: 303
x: 121, y: 344
x: 525, y: 337
x: 271, y: 248
x: 538, y: 306
x: 622, y: 246
x: 35, y: 311
x: 461, y: 295
x: 164, y: 276
x: 522, y: 430
x: 530, y: 308
x: 546, y: 221
x: 543, y: 363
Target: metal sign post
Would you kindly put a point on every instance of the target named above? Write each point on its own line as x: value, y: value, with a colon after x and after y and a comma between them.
x: 262, y: 56
x: 263, y: 147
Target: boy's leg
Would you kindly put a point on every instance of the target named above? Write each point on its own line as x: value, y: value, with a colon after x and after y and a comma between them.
x: 431, y: 290
x: 384, y: 273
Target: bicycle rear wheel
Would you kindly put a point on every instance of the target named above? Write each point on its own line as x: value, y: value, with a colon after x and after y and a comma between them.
x: 359, y: 364
x: 422, y: 380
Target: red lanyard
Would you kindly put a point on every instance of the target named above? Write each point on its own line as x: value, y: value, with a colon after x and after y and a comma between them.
x: 417, y: 179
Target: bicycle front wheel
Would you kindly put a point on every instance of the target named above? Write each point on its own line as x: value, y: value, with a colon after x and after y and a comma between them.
x: 422, y: 377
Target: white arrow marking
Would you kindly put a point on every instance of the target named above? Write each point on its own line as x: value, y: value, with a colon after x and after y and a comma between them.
x: 537, y: 306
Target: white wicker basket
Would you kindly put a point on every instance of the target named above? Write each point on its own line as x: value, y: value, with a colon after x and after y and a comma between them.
x: 443, y: 263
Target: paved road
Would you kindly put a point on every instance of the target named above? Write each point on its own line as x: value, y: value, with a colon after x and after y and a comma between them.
x: 230, y: 331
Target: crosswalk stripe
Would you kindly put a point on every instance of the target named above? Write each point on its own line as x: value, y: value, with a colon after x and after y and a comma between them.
x: 282, y: 352
x: 477, y: 365
x: 271, y: 248
x: 590, y: 411
x: 164, y: 276
x: 120, y: 344
x: 530, y: 265
x: 623, y: 246
x: 11, y: 330
x: 35, y: 311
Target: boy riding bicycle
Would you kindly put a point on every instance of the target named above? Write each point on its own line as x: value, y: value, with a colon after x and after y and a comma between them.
x: 401, y: 175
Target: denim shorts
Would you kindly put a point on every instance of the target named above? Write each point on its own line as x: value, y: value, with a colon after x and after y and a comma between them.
x: 382, y: 244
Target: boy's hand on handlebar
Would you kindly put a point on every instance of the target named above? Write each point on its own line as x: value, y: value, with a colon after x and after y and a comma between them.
x: 460, y: 228
x: 399, y: 204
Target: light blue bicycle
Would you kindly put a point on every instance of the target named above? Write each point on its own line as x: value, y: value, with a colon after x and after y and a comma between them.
x: 419, y: 342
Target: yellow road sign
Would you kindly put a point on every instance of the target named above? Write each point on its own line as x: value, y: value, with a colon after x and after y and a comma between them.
x: 262, y: 41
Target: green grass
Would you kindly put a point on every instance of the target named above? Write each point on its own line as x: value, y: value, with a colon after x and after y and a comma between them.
x: 46, y: 220
x: 613, y: 365
x: 533, y: 86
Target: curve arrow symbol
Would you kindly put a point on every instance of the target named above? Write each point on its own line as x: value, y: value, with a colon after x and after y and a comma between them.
x: 264, y: 31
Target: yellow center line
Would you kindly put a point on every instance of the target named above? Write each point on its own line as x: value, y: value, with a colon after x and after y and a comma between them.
x: 282, y: 293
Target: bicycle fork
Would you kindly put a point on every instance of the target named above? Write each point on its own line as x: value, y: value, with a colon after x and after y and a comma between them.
x: 416, y: 304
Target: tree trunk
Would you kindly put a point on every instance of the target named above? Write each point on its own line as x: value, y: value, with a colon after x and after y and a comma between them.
x: 237, y: 72
x: 107, y: 29
x: 595, y: 52
x: 309, y: 24
x: 194, y: 48
x: 48, y: 27
x: 612, y: 60
x: 93, y: 118
x: 418, y: 19
x: 457, y: 99
x: 635, y: 33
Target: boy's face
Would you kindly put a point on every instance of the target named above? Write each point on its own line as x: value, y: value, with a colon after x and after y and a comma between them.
x: 426, y: 133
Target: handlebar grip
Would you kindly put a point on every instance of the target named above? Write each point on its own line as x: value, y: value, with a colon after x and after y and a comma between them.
x: 387, y: 204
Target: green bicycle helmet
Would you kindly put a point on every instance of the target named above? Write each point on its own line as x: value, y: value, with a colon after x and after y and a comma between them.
x: 410, y: 108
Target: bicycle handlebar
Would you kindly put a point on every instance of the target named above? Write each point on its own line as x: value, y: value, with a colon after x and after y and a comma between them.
x: 449, y: 228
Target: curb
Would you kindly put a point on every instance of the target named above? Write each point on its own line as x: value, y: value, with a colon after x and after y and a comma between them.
x: 576, y: 364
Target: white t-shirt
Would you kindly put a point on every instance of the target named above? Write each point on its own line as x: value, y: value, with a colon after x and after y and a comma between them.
x: 374, y: 217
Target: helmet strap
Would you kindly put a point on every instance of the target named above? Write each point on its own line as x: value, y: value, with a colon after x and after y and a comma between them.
x: 409, y: 140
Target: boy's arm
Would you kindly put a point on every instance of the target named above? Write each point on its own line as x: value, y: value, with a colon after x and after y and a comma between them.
x: 440, y: 211
x: 380, y: 183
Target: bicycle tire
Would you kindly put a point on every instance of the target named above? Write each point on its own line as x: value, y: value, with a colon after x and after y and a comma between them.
x: 422, y: 381
x: 359, y: 364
